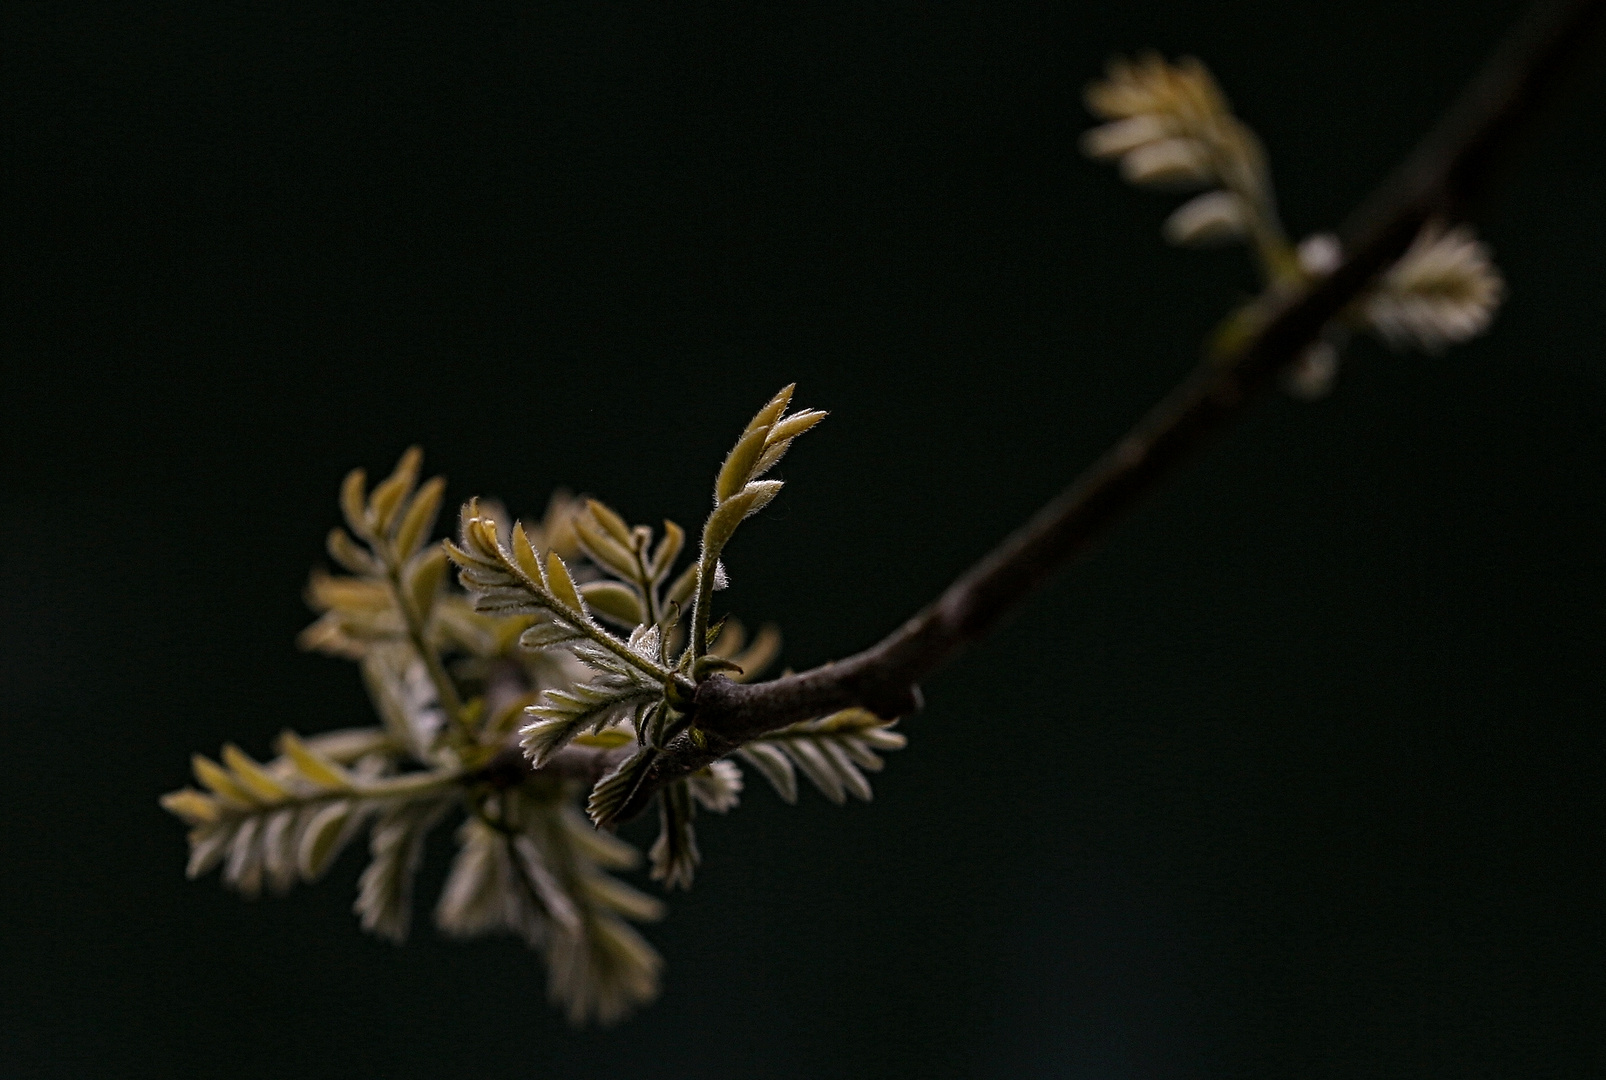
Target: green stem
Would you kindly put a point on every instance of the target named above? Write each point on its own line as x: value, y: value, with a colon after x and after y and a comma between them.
x: 422, y: 783
x: 617, y: 647
x: 648, y: 589
x: 703, y: 599
x: 588, y: 628
x: 445, y: 689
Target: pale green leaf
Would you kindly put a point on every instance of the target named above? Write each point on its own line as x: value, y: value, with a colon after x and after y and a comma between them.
x: 348, y: 553
x: 772, y: 410
x: 353, y: 503
x: 615, y: 601
x: 422, y: 578
x: 669, y: 547
x: 419, y: 519
x: 562, y: 585
x: 313, y: 765
x: 321, y: 839
x: 386, y: 499
x: 615, y: 789
x: 263, y: 788
x: 604, y: 550
x: 738, y: 466
x: 611, y: 522
x: 776, y: 767
x: 221, y: 783
x: 191, y: 806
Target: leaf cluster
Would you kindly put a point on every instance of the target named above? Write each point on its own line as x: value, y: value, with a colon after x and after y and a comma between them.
x: 576, y: 643
x: 1170, y: 127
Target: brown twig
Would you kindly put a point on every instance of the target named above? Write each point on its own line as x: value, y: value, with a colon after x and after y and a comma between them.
x: 1445, y: 174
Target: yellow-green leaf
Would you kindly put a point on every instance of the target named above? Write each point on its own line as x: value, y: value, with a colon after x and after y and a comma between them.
x: 604, y: 550
x: 353, y: 502
x: 561, y: 584
x: 796, y: 424
x: 388, y: 494
x: 524, y: 556
x: 723, y: 521
x: 320, y: 840
x: 616, y: 601
x: 348, y: 553
x: 611, y: 739
x: 313, y: 765
x: 777, y: 405
x: 423, y: 577
x: 761, y: 653
x: 262, y: 787
x: 611, y: 522
x: 218, y: 780
x: 419, y: 519
x: 739, y: 463
x: 190, y: 805
x: 668, y: 548
x: 616, y: 895
x: 605, y: 849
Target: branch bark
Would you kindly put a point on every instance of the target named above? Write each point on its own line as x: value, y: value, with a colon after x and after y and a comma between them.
x: 1444, y: 176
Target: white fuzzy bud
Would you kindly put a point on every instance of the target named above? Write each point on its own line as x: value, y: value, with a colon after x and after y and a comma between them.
x: 1319, y: 254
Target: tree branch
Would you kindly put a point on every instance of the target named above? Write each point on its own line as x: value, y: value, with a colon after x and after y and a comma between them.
x: 1447, y: 172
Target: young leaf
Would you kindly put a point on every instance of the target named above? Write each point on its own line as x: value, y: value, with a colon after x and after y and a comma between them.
x: 796, y: 424
x: 322, y: 839
x: 615, y: 789
x: 616, y: 896
x: 208, y: 845
x: 615, y: 601
x: 604, y: 549
x: 604, y: 849
x: 221, y: 783
x: 348, y: 553
x: 422, y: 578
x: 563, y: 714
x: 562, y: 585
x: 716, y: 787
x: 242, y: 869
x: 669, y: 547
x: 263, y: 788
x: 611, y: 523
x: 278, y: 842
x: 385, y: 890
x: 829, y: 751
x: 524, y: 556
x: 746, y: 502
x: 674, y: 855
x: 354, y: 503
x: 780, y: 437
x: 775, y: 766
x: 386, y: 499
x: 739, y: 463
x: 312, y: 765
x: 772, y: 409
x: 191, y: 806
x: 419, y: 519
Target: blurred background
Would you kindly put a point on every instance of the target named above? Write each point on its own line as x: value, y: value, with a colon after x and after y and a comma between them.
x: 1299, y: 775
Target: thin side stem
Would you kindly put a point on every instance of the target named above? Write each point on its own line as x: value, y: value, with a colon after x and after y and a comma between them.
x: 440, y: 679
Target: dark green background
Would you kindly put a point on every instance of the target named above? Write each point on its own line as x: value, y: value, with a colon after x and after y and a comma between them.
x: 1299, y: 776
